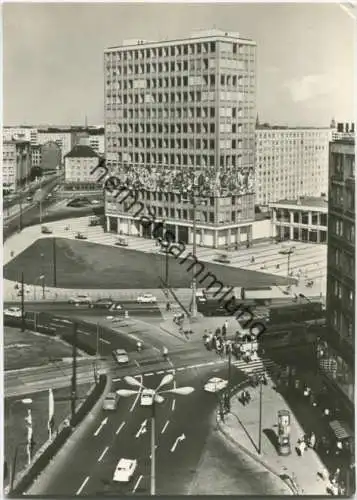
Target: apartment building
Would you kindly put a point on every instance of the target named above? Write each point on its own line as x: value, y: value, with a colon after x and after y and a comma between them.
x: 290, y: 162
x: 180, y: 115
x: 78, y: 166
x: 337, y: 355
x: 20, y: 133
x: 16, y: 163
x: 95, y: 137
x: 36, y: 155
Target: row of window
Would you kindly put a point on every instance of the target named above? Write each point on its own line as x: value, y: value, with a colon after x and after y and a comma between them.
x: 343, y: 261
x: 342, y: 166
x: 184, y: 113
x: 343, y: 325
x: 343, y: 228
x: 180, y: 159
x: 245, y: 130
x: 342, y: 197
x: 184, y: 49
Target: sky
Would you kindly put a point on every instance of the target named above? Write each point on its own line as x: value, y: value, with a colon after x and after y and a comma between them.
x: 53, y: 56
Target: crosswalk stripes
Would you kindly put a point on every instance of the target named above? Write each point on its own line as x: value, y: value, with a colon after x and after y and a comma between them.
x: 257, y: 366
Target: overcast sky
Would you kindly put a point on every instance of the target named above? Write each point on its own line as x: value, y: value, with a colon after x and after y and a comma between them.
x: 53, y: 56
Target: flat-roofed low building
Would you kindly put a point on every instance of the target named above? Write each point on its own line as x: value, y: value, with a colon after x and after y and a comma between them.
x: 304, y: 219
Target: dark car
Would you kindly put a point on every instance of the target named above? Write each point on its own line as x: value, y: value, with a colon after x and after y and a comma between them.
x: 46, y: 230
x: 223, y: 259
x: 79, y: 202
x: 80, y: 236
x: 102, y: 304
x: 94, y: 221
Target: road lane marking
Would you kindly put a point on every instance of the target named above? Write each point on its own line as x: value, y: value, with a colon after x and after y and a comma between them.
x: 138, y: 394
x: 83, y: 332
x: 116, y: 379
x: 165, y: 426
x: 142, y: 429
x: 137, y: 484
x: 136, y: 362
x: 181, y: 368
x: 104, y: 452
x: 120, y: 428
x: 173, y: 405
x: 105, y: 341
x: 79, y: 491
x: 160, y: 372
x: 149, y: 374
x: 102, y: 424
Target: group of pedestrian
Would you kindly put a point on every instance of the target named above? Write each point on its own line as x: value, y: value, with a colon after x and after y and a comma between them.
x: 306, y: 442
x: 218, y: 340
x: 245, y: 397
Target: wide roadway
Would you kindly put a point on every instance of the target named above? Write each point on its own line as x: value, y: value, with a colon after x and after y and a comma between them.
x: 89, y: 468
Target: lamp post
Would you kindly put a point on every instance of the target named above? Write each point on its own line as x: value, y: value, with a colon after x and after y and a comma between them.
x: 287, y: 251
x: 156, y: 398
x: 43, y: 275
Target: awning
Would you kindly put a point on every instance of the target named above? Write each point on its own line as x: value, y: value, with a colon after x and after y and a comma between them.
x: 341, y: 429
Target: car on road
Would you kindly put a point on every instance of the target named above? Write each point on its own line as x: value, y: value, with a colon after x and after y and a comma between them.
x: 81, y: 236
x: 121, y: 356
x: 215, y: 384
x: 94, y: 221
x: 102, y: 304
x: 222, y: 259
x: 95, y: 202
x: 124, y: 470
x: 14, y: 312
x: 111, y: 401
x: 146, y: 298
x: 147, y: 397
x: 122, y: 242
x: 78, y: 300
x: 29, y: 198
x: 46, y: 230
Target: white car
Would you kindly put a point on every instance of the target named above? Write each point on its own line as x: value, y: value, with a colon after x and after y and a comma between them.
x: 146, y: 298
x: 147, y: 397
x: 215, y: 384
x: 80, y: 300
x: 121, y: 356
x: 15, y: 312
x: 124, y: 470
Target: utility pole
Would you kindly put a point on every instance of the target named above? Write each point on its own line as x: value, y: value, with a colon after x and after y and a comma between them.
x: 74, y: 371
x: 97, y: 356
x: 20, y: 219
x: 228, y: 396
x: 153, y: 449
x: 260, y: 415
x: 167, y: 266
x: 40, y: 211
x: 22, y: 302
x: 194, y: 305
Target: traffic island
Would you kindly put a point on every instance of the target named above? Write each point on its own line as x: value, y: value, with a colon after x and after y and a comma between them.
x: 302, y: 474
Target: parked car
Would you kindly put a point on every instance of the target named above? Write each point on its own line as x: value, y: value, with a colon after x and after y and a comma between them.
x: 121, y: 356
x: 122, y: 242
x: 14, y: 312
x: 102, y: 304
x: 46, y: 230
x: 80, y: 236
x: 111, y: 401
x: 147, y: 397
x: 94, y: 221
x: 146, y: 298
x: 77, y: 300
x: 223, y: 259
x: 215, y: 384
x: 124, y: 470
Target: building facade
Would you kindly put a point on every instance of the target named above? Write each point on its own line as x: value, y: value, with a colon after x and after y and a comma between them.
x: 51, y: 157
x: 28, y: 134
x: 62, y: 138
x: 79, y: 164
x: 337, y: 357
x: 178, y: 114
x: 304, y: 219
x: 36, y: 155
x: 290, y: 162
x: 16, y: 164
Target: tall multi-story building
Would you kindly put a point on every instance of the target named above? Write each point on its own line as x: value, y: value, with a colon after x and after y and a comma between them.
x: 22, y: 133
x: 16, y: 163
x: 178, y: 114
x: 290, y: 162
x: 337, y: 356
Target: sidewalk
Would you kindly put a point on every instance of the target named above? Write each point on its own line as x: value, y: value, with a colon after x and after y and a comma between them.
x: 241, y: 427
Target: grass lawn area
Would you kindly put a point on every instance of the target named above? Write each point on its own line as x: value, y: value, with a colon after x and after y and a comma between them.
x: 81, y: 264
x: 27, y: 349
x: 14, y: 424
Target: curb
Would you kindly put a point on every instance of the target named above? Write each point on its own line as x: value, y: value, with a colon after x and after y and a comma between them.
x: 176, y: 335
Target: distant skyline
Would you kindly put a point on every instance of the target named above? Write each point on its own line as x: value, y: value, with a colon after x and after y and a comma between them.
x: 53, y: 56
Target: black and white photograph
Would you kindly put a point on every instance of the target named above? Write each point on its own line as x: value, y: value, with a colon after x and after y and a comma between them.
x: 178, y: 193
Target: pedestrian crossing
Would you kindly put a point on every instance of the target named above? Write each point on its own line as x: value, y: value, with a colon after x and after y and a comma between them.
x: 257, y: 366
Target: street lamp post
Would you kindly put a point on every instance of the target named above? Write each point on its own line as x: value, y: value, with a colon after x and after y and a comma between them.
x: 43, y: 275
x: 157, y: 398
x: 287, y: 251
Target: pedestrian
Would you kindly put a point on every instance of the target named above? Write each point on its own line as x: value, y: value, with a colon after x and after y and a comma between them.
x: 224, y: 331
x: 226, y: 325
x: 252, y: 259
x: 247, y: 396
x: 312, y: 440
x: 301, y: 447
x: 242, y: 398
x: 336, y: 476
